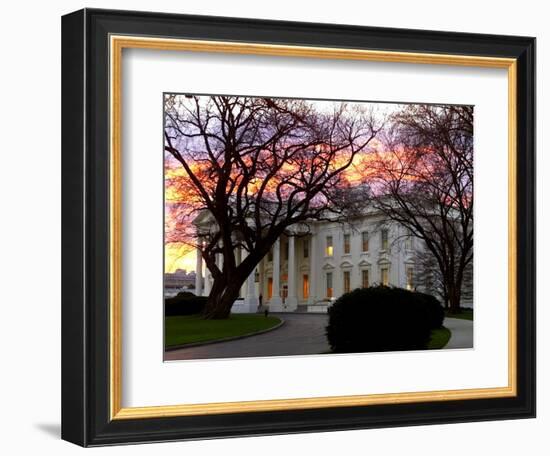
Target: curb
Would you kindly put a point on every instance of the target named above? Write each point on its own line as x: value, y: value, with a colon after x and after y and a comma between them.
x: 225, y: 339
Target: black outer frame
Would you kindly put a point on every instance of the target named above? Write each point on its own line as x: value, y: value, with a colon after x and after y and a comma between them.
x: 85, y: 225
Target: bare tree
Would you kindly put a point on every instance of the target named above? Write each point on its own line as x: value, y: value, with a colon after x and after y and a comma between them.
x: 428, y: 276
x: 256, y: 166
x: 424, y: 181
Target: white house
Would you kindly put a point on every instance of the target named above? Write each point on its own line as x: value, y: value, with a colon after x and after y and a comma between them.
x: 319, y: 262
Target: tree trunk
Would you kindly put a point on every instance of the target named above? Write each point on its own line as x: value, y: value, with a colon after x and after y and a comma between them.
x: 222, y: 297
x: 446, y: 302
x: 454, y: 299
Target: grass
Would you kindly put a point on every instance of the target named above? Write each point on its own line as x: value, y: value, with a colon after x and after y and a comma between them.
x: 463, y: 314
x: 188, y: 329
x: 440, y: 338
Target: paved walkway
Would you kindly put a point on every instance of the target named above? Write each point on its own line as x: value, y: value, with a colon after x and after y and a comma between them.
x: 462, y: 333
x: 301, y: 334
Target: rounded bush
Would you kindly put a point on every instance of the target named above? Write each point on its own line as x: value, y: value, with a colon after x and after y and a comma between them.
x: 378, y: 319
x: 436, y: 312
x: 184, y: 303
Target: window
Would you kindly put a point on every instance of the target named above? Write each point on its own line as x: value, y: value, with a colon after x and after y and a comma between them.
x: 329, y: 250
x: 330, y: 290
x: 365, y: 278
x: 269, y: 287
x: 384, y: 240
x: 305, y: 286
x: 364, y: 241
x: 347, y: 281
x: 385, y: 276
x: 270, y: 254
x: 306, y: 248
x: 347, y: 246
x: 285, y: 251
x: 410, y: 278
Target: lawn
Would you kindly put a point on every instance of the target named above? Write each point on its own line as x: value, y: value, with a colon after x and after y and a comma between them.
x: 440, y: 338
x: 188, y: 329
x: 464, y: 314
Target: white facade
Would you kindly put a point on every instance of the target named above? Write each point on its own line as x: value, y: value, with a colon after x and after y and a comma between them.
x: 334, y: 259
x: 310, y: 269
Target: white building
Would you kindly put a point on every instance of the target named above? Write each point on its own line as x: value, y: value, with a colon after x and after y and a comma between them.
x: 310, y: 269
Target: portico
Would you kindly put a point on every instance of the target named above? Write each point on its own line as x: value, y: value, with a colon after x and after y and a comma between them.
x: 281, y: 291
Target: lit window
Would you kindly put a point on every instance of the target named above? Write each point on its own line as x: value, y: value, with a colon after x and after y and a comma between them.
x: 385, y: 276
x: 305, y: 286
x: 365, y: 241
x: 329, y: 251
x: 269, y: 287
x: 365, y: 278
x: 306, y: 248
x: 347, y: 246
x: 384, y: 240
x: 330, y: 290
x: 410, y: 278
x: 347, y: 281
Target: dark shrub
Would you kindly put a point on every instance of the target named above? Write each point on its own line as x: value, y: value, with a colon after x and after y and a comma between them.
x: 184, y: 303
x: 378, y: 319
x: 436, y: 312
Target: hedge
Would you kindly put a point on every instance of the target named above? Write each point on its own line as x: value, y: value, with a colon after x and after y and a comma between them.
x: 381, y: 319
x: 436, y: 312
x: 184, y: 303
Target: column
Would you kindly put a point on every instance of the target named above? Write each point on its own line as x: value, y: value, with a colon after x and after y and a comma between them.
x: 219, y: 261
x: 292, y: 298
x: 198, y: 274
x: 276, y: 303
x: 261, y: 282
x: 337, y: 275
x: 313, y: 254
x: 240, y: 256
x: 250, y: 300
x: 207, y: 281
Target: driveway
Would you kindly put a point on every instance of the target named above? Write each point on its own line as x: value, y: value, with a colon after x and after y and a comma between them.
x: 301, y: 334
x: 462, y: 333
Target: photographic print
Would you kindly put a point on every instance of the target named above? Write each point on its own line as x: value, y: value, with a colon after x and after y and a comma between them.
x: 316, y: 227
x: 286, y: 226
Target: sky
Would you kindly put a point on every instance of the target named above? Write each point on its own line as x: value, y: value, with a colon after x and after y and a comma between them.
x: 180, y: 256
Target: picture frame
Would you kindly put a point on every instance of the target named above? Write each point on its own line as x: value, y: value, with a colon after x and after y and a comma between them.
x: 92, y: 370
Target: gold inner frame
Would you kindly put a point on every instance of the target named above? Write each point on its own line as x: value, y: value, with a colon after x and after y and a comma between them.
x: 117, y: 44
